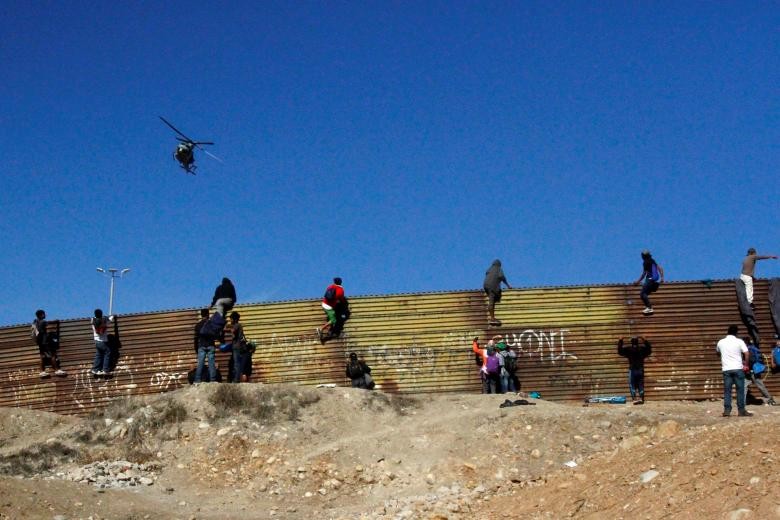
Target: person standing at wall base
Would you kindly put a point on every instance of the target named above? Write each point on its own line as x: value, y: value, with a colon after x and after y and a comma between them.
x: 636, y: 354
x: 205, y: 351
x: 734, y: 359
x: 756, y: 371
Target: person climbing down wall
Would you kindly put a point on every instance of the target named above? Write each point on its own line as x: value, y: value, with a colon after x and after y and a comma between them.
x: 746, y: 311
x: 333, y: 303
x: 494, y: 277
x: 749, y: 269
x: 48, y: 343
x: 651, y: 278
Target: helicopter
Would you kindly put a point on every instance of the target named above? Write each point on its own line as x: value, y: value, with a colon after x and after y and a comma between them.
x: 185, y: 150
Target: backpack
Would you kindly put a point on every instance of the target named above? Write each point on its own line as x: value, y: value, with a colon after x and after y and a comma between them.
x: 355, y: 370
x: 776, y: 356
x: 330, y: 293
x: 754, y: 355
x: 510, y: 363
x: 213, y: 328
x: 655, y: 274
x: 492, y: 364
x: 756, y: 360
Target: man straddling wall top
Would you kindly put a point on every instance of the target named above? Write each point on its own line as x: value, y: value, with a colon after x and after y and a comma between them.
x: 733, y: 359
x: 749, y: 269
x: 332, y: 304
x: 494, y: 276
x: 224, y: 297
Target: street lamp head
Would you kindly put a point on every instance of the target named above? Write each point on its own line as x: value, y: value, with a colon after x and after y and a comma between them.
x: 101, y: 270
x: 112, y: 270
x: 125, y: 271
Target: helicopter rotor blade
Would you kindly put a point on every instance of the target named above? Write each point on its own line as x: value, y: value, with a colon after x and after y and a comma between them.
x: 201, y: 142
x: 186, y: 139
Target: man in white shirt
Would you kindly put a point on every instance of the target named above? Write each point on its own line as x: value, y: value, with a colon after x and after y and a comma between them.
x: 102, y: 364
x: 733, y: 359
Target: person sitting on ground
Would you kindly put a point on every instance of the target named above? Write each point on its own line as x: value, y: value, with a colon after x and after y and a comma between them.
x: 494, y: 277
x: 490, y: 373
x: 756, y: 371
x: 651, y: 278
x: 48, y: 343
x: 636, y: 354
x: 359, y: 373
x: 334, y: 299
x: 102, y: 364
x: 224, y: 297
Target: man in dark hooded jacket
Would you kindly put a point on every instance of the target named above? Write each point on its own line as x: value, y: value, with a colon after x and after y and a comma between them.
x: 224, y: 297
x: 494, y: 276
x: 636, y: 354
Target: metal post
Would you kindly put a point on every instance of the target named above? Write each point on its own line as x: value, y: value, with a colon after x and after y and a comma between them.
x: 112, y: 273
x: 111, y: 296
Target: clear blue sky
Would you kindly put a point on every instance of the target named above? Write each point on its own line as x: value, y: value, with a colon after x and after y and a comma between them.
x: 400, y: 145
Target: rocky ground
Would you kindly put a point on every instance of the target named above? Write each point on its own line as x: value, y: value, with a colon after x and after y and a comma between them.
x: 266, y: 451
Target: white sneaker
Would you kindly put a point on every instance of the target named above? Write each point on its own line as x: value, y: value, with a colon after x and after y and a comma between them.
x: 60, y: 372
x: 45, y: 374
x: 95, y: 372
x: 648, y: 310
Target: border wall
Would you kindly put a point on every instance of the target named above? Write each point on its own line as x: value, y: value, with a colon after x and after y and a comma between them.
x: 415, y: 343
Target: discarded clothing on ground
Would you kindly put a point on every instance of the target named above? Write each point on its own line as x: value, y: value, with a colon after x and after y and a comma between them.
x: 519, y: 402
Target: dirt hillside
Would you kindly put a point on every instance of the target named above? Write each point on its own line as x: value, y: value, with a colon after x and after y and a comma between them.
x: 284, y: 451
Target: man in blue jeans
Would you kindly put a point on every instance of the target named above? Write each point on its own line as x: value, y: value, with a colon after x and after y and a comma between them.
x: 102, y: 364
x: 734, y: 360
x: 636, y: 354
x: 206, y: 349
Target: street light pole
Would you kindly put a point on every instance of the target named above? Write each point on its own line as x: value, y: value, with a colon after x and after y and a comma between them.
x: 111, y: 272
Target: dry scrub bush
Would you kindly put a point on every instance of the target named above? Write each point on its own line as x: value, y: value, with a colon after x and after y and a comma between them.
x: 147, y: 425
x: 269, y: 404
x: 400, y: 404
x: 36, y: 459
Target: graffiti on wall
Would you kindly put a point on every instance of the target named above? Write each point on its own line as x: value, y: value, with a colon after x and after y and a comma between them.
x: 161, y: 372
x: 537, y: 344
